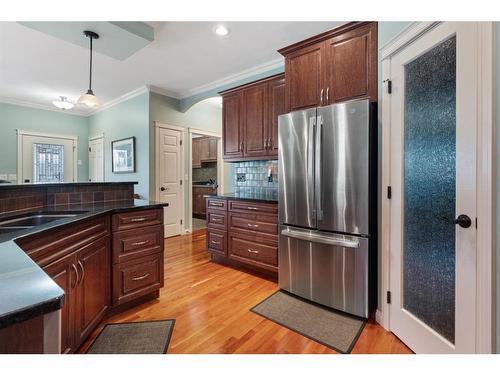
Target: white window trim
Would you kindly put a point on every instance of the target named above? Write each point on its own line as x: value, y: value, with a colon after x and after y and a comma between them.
x: 486, y: 203
x: 21, y: 132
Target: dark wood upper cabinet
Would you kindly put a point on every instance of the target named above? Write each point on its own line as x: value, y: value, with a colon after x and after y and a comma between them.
x: 338, y: 65
x: 351, y: 69
x: 255, y: 119
x: 304, y: 76
x: 260, y: 103
x: 196, y: 153
x: 276, y: 108
x: 212, y: 148
x: 232, y: 131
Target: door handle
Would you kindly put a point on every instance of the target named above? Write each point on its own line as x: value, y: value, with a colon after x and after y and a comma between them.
x: 162, y: 188
x: 318, y: 238
x: 327, y: 94
x: 464, y: 221
x: 318, y: 169
x: 77, y: 275
x: 83, y: 271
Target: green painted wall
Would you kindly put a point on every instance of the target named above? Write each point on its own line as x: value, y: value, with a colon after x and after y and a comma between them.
x: 126, y: 119
x: 14, y: 117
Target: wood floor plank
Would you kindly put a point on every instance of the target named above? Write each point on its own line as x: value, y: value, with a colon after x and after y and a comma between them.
x: 211, y: 305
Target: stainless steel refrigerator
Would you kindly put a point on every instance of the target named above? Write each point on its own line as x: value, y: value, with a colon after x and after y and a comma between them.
x: 327, y: 199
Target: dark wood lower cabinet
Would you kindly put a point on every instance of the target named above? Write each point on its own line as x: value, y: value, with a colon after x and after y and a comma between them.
x: 85, y: 269
x: 243, y: 233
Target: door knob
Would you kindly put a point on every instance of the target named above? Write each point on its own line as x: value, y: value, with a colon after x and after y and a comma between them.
x: 464, y: 221
x: 162, y: 188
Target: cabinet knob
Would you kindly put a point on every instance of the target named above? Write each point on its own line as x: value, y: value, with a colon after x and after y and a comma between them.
x: 321, y: 97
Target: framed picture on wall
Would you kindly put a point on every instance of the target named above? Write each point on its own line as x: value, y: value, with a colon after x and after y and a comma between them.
x: 123, y: 155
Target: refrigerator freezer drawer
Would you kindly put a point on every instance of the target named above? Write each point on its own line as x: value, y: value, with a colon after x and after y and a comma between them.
x: 326, y: 268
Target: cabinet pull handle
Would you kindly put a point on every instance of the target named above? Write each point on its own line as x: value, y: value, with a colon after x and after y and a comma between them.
x: 140, y: 243
x: 242, y: 148
x: 321, y: 97
x: 140, y: 277
x: 77, y: 276
x: 216, y: 242
x: 217, y: 204
x: 83, y: 271
x: 327, y: 94
x: 270, y: 144
x: 251, y: 208
x: 253, y: 251
x: 216, y: 220
x: 253, y: 225
x: 135, y: 219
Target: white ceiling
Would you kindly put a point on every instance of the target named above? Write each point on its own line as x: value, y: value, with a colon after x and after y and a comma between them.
x: 185, y: 58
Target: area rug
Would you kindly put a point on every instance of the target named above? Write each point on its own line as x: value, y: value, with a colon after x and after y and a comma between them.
x: 334, y: 329
x: 151, y: 337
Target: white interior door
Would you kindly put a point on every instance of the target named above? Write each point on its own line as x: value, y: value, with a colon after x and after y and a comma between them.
x: 44, y: 159
x: 170, y: 179
x: 96, y: 159
x: 433, y: 179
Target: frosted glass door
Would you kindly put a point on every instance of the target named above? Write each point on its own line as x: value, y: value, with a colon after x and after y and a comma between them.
x: 433, y: 178
x: 429, y: 188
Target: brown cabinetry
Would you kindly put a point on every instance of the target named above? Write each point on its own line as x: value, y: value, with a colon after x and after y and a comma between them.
x: 335, y: 66
x: 247, y: 233
x: 199, y: 205
x: 204, y: 150
x: 250, y: 119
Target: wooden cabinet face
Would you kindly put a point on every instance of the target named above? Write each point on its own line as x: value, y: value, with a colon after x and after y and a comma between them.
x: 231, y: 127
x: 304, y: 76
x: 276, y: 108
x: 204, y: 149
x: 64, y: 273
x: 351, y: 70
x: 255, y: 120
x: 212, y: 148
x: 196, y: 153
x: 94, y: 285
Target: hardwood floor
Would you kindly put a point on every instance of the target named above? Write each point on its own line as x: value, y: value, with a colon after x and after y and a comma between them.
x: 211, y: 304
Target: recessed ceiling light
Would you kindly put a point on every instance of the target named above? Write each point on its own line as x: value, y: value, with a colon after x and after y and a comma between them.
x: 63, y: 103
x: 221, y: 30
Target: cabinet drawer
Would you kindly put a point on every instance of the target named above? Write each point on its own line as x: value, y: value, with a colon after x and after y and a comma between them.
x: 217, y: 242
x: 217, y: 219
x: 137, y: 277
x: 249, y: 250
x: 255, y: 223
x: 216, y: 204
x: 51, y: 245
x: 135, y: 219
x: 134, y: 243
x: 243, y: 206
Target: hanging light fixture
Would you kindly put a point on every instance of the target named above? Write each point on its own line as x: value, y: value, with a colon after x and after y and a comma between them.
x: 63, y: 103
x: 89, y: 99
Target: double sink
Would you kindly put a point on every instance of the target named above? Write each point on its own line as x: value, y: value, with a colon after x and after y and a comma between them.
x: 32, y: 220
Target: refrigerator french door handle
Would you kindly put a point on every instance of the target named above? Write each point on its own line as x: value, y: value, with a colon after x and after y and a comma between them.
x: 327, y: 240
x: 310, y: 163
x: 318, y: 169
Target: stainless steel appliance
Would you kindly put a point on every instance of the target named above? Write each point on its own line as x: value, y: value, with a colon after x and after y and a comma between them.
x: 327, y: 205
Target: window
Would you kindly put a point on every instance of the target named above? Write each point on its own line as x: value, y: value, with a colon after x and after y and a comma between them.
x: 48, y: 162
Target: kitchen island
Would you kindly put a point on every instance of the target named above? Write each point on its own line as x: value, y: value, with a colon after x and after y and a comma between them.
x: 90, y: 260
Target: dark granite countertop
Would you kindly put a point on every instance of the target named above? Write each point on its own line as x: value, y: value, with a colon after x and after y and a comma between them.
x: 26, y: 290
x: 271, y: 197
x: 27, y: 186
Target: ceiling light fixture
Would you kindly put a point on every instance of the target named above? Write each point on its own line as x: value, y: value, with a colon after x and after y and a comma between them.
x: 63, y: 103
x: 89, y: 99
x: 221, y: 30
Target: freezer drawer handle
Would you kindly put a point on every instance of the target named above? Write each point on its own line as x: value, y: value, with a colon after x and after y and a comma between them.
x: 320, y: 239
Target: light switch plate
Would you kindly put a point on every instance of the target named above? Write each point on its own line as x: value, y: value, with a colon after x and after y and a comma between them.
x: 12, y: 177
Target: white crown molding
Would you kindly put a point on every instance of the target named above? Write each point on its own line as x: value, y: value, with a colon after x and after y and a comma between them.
x: 164, y: 92
x: 278, y: 63
x: 120, y: 99
x: 73, y: 111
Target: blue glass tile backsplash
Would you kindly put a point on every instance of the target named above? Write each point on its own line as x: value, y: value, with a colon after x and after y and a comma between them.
x: 253, y: 177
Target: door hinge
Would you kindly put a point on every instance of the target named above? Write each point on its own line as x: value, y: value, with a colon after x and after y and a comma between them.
x: 181, y: 221
x: 180, y: 142
x: 389, y: 192
x: 180, y: 182
x: 389, y: 85
x: 476, y: 222
x: 90, y: 149
x: 388, y: 297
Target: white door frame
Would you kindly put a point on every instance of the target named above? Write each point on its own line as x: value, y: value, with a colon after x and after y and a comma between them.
x: 157, y: 126
x: 96, y: 137
x: 220, y: 168
x: 21, y: 132
x: 485, y: 244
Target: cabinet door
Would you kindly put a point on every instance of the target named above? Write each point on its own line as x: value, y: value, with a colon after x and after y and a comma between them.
x: 232, y: 132
x: 94, y: 294
x: 204, y: 149
x: 212, y: 148
x: 65, y: 274
x: 276, y: 108
x: 255, y: 120
x: 196, y: 201
x: 304, y: 71
x: 351, y: 65
x: 196, y: 153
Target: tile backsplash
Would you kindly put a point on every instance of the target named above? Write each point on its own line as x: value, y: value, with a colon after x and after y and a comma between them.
x: 206, y: 172
x: 252, y: 176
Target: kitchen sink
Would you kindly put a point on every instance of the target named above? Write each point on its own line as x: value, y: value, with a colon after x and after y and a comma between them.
x: 32, y: 220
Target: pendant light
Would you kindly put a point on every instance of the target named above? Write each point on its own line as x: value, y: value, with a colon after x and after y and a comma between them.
x: 63, y: 103
x: 89, y: 99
